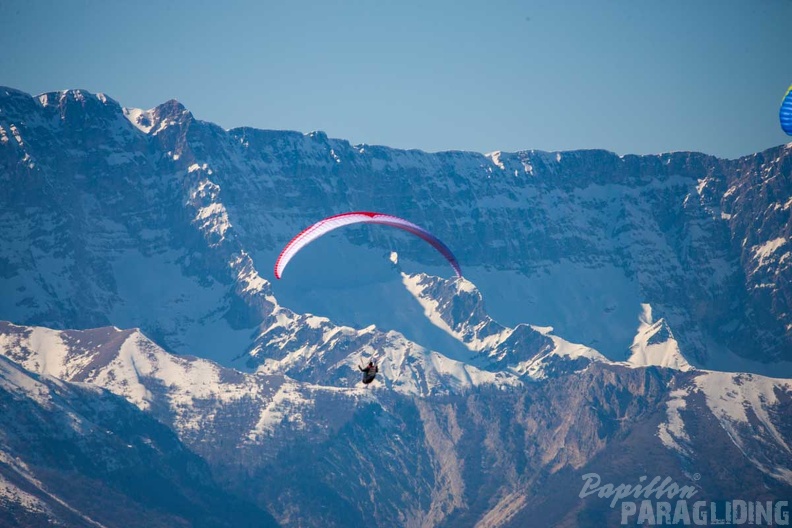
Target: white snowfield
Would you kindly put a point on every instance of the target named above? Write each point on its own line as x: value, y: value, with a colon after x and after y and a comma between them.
x: 143, y: 120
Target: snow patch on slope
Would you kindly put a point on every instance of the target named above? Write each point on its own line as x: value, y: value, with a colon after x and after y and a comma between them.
x: 11, y: 494
x: 495, y: 158
x: 654, y: 344
x: 514, y: 350
x: 472, y: 337
x: 143, y: 120
x: 15, y: 381
x: 17, y: 135
x: 536, y: 367
x: 565, y: 348
x: 287, y: 404
x: 672, y: 432
x: 247, y: 275
x: 729, y: 396
x: 123, y: 375
x: 744, y: 402
x: 764, y: 252
x: 211, y: 215
x: 192, y: 390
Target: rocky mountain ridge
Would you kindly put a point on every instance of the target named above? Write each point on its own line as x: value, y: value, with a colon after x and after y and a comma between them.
x: 72, y: 454
x: 100, y: 192
x: 318, y: 455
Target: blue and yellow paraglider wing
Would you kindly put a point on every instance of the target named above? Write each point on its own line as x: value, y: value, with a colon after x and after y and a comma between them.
x: 785, y: 114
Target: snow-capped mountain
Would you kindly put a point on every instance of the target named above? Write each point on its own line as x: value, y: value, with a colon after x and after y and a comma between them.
x: 136, y: 257
x: 72, y: 454
x: 329, y: 456
x: 494, y: 447
x: 157, y: 220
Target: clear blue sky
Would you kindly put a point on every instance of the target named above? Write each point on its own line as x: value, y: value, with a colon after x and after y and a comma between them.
x: 631, y: 76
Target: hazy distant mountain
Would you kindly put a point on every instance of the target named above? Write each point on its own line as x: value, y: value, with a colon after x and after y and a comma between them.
x: 597, y: 287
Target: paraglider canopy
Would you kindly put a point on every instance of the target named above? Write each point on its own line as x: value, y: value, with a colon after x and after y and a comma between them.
x: 785, y: 113
x: 330, y: 223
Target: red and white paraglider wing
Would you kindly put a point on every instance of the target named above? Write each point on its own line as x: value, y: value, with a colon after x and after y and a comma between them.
x: 436, y: 243
x: 323, y: 227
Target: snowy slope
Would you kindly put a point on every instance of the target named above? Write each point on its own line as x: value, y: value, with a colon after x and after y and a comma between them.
x: 750, y: 409
x: 71, y: 454
x: 654, y: 344
x: 574, y: 405
x: 457, y: 307
x: 192, y: 395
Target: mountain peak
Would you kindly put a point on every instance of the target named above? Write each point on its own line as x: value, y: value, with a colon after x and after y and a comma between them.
x: 171, y: 107
x: 76, y: 97
x: 654, y: 344
x: 6, y: 92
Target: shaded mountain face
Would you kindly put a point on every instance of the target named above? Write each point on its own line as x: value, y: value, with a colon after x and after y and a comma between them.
x: 157, y: 220
x: 609, y: 283
x: 76, y: 455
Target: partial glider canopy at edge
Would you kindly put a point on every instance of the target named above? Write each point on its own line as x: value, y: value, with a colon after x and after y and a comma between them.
x: 323, y: 227
x: 785, y: 112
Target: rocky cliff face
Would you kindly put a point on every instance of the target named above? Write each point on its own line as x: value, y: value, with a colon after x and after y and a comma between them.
x: 609, y: 283
x: 158, y: 220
